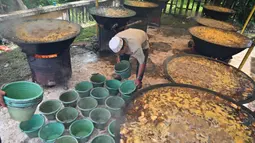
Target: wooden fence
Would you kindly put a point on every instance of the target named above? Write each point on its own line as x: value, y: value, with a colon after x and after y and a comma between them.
x: 194, y: 7
x: 80, y: 15
x: 175, y: 7
x: 77, y: 12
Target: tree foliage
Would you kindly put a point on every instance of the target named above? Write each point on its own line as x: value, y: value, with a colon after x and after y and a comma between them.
x: 243, y: 9
x: 8, y: 6
x: 37, y: 3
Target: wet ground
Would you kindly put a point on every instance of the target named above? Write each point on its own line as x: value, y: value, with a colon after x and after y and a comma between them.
x: 165, y: 41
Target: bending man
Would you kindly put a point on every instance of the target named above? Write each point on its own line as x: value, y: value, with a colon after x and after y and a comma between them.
x: 135, y: 43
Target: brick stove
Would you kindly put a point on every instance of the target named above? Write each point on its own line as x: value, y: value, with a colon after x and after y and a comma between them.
x: 155, y: 16
x: 104, y: 36
x: 50, y: 70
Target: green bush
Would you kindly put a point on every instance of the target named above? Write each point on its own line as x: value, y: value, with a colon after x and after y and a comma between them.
x: 243, y: 10
x: 36, y: 3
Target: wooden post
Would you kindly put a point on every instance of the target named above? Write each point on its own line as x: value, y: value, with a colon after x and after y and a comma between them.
x: 121, y: 2
x: 181, y: 7
x: 251, y: 48
x: 97, y: 24
x: 198, y: 6
x: 187, y: 7
x: 21, y: 4
x: 69, y: 15
x: 171, y: 6
x: 176, y: 6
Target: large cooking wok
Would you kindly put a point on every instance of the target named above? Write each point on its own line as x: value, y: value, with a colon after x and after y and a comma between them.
x: 141, y: 8
x: 111, y: 17
x: 217, y: 12
x: 155, y: 15
x: 216, y: 24
x: 161, y: 3
x: 140, y: 109
x: 211, y: 74
x: 210, y: 48
x: 32, y: 36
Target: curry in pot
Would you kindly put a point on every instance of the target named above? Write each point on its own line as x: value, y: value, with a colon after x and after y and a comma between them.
x: 184, y: 115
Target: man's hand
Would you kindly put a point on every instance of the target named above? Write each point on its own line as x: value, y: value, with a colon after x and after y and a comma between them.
x: 138, y: 83
x: 2, y: 93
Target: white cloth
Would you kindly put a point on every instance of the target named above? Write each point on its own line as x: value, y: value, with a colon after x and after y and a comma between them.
x: 116, y: 44
x: 137, y: 41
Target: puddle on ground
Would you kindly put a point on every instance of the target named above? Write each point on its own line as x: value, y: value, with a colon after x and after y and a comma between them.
x: 83, y: 55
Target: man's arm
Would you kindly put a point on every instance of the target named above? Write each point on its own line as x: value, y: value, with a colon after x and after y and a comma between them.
x: 141, y: 71
x: 118, y: 58
x: 140, y: 57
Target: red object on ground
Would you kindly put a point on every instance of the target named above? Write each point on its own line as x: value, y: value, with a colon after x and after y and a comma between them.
x: 4, y: 48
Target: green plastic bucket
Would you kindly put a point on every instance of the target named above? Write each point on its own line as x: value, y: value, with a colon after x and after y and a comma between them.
x: 127, y: 88
x: 49, y: 108
x: 86, y: 104
x: 103, y: 139
x: 50, y: 132
x: 32, y: 126
x: 97, y: 80
x: 69, y: 98
x: 81, y: 129
x: 113, y: 86
x: 22, y: 99
x: 66, y: 139
x: 126, y: 98
x: 100, y: 117
x: 123, y: 68
x: 67, y: 116
x: 100, y: 94
x: 83, y: 88
x: 111, y: 128
x: 115, y: 105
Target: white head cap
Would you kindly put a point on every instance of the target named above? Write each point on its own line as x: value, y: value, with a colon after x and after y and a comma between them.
x: 116, y: 44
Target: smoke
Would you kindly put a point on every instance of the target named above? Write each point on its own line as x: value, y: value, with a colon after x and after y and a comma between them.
x: 7, y: 28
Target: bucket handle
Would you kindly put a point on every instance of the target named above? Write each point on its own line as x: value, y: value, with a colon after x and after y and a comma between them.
x: 3, y: 85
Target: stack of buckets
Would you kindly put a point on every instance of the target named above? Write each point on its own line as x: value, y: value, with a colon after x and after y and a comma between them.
x: 99, y: 101
x: 22, y: 99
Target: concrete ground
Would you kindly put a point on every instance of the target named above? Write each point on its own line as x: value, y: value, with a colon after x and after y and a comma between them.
x: 165, y: 41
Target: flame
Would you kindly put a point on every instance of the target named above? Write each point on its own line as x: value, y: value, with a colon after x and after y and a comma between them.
x: 46, y: 56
